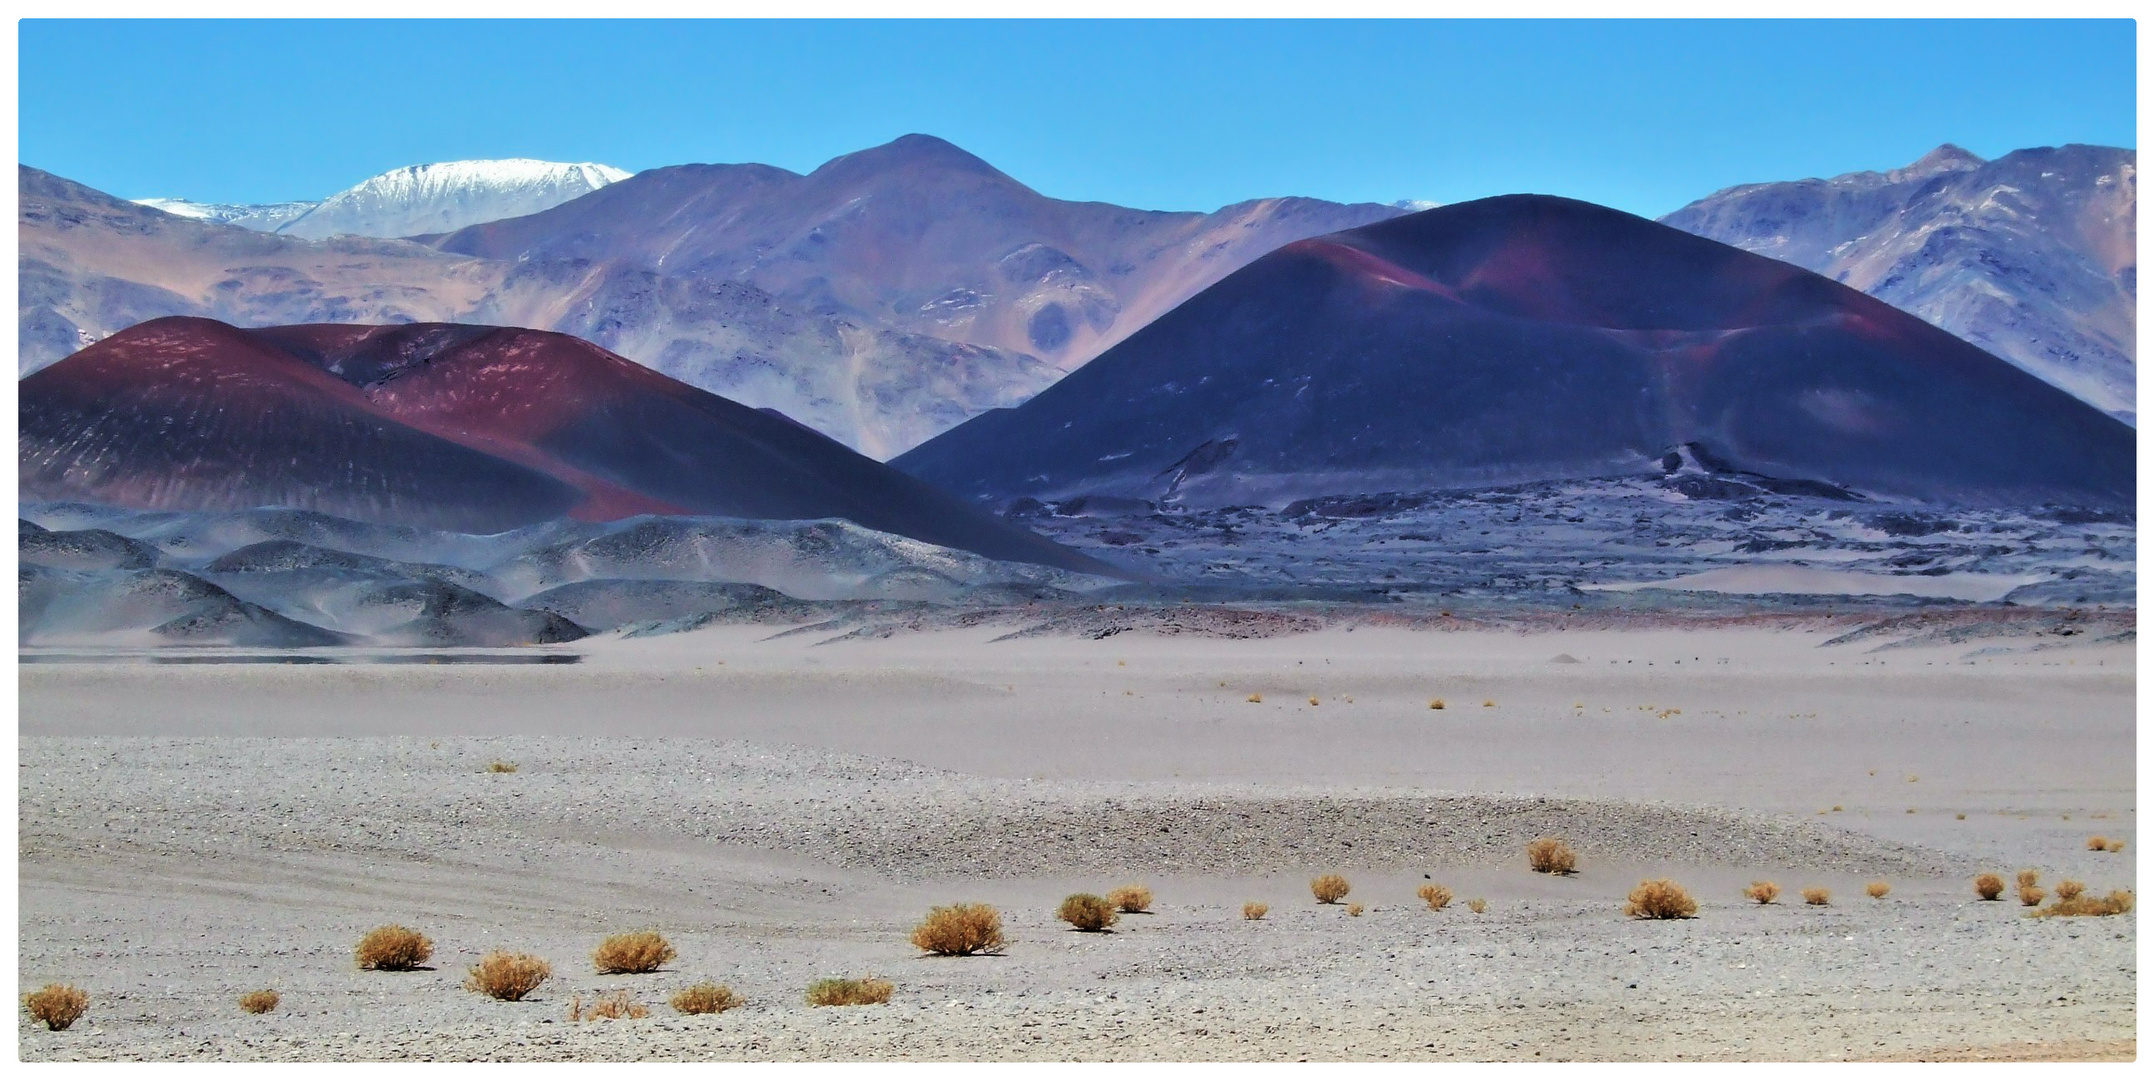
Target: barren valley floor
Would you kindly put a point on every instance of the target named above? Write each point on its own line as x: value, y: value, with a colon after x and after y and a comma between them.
x: 784, y: 810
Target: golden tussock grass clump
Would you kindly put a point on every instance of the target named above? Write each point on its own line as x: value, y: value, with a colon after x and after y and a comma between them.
x: 1989, y: 886
x: 705, y: 998
x: 1878, y: 890
x: 501, y: 767
x: 2069, y: 889
x: 1255, y: 698
x: 1477, y: 906
x: 1817, y: 897
x: 2117, y: 902
x: 639, y: 953
x: 507, y: 976
x: 2029, y: 878
x: 1086, y: 912
x: 1435, y: 703
x: 1312, y: 700
x: 259, y: 1002
x: 1435, y: 896
x: 1764, y: 892
x: 1354, y: 910
x: 1549, y: 855
x: 1660, y: 899
x: 2097, y: 843
x: 1488, y: 703
x: 1329, y: 889
x: 393, y: 948
x: 2031, y: 896
x: 1253, y: 911
x: 614, y: 1006
x: 959, y: 930
x: 850, y: 992
x: 57, y: 1006
x: 1131, y: 899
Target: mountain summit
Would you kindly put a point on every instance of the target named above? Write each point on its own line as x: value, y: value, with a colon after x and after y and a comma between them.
x: 415, y: 200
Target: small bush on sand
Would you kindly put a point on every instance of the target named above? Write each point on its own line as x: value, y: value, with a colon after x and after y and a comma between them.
x: 1087, y: 912
x: 1488, y: 703
x: 1661, y: 899
x: 614, y: 1006
x: 2116, y: 903
x: 1764, y: 892
x: 1477, y: 906
x: 1253, y: 911
x: 501, y: 767
x: 1330, y: 888
x: 1313, y: 701
x: 1354, y: 910
x: 57, y: 1006
x: 1131, y: 899
x: 705, y: 998
x: 2069, y: 889
x: 639, y: 953
x: 2029, y: 879
x: 1817, y: 897
x: 393, y: 948
x: 507, y: 976
x: 1435, y: 896
x: 1255, y: 698
x: 259, y: 1002
x: 2113, y: 846
x: 2031, y: 895
x: 959, y: 930
x: 1435, y: 703
x: 1989, y: 886
x: 1878, y: 890
x: 850, y: 992
x: 2097, y: 843
x: 1549, y: 855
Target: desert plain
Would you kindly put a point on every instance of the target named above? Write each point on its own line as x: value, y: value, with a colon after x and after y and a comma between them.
x: 785, y: 808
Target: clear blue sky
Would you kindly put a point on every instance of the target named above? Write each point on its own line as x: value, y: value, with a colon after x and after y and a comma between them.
x: 1165, y: 115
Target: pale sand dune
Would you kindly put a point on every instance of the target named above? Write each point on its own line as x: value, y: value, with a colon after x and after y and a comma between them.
x: 785, y: 810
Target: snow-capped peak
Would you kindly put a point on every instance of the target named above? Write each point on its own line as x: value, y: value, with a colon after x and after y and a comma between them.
x: 449, y: 195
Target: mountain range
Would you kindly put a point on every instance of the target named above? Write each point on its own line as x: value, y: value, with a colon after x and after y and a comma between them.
x: 417, y: 199
x: 1531, y: 338
x: 2032, y: 256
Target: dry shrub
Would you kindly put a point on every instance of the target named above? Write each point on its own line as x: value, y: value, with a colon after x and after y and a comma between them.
x: 639, y: 953
x: 1354, y: 910
x: 1131, y: 899
x: 2097, y: 843
x: 2029, y: 879
x: 259, y: 1002
x: 2030, y: 896
x: 1312, y: 700
x: 614, y: 1006
x: 2117, y: 902
x: 1817, y: 897
x: 959, y: 930
x: 393, y: 948
x: 2113, y: 845
x: 1488, y: 703
x: 2069, y: 889
x: 1435, y: 896
x: 57, y: 1006
x: 1087, y: 912
x: 706, y: 997
x: 507, y: 976
x: 1660, y: 899
x: 1435, y: 703
x: 1549, y: 855
x: 1255, y: 698
x: 1878, y: 889
x: 1253, y: 911
x: 1989, y: 886
x: 1477, y: 906
x: 1330, y: 888
x: 850, y: 992
x: 501, y: 767
x: 1764, y: 892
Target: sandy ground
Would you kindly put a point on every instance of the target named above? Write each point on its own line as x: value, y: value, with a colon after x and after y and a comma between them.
x: 785, y: 811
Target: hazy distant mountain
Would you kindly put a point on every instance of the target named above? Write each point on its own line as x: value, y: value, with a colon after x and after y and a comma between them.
x: 2032, y: 256
x: 416, y: 200
x: 921, y: 236
x: 91, y: 265
x: 1525, y: 338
